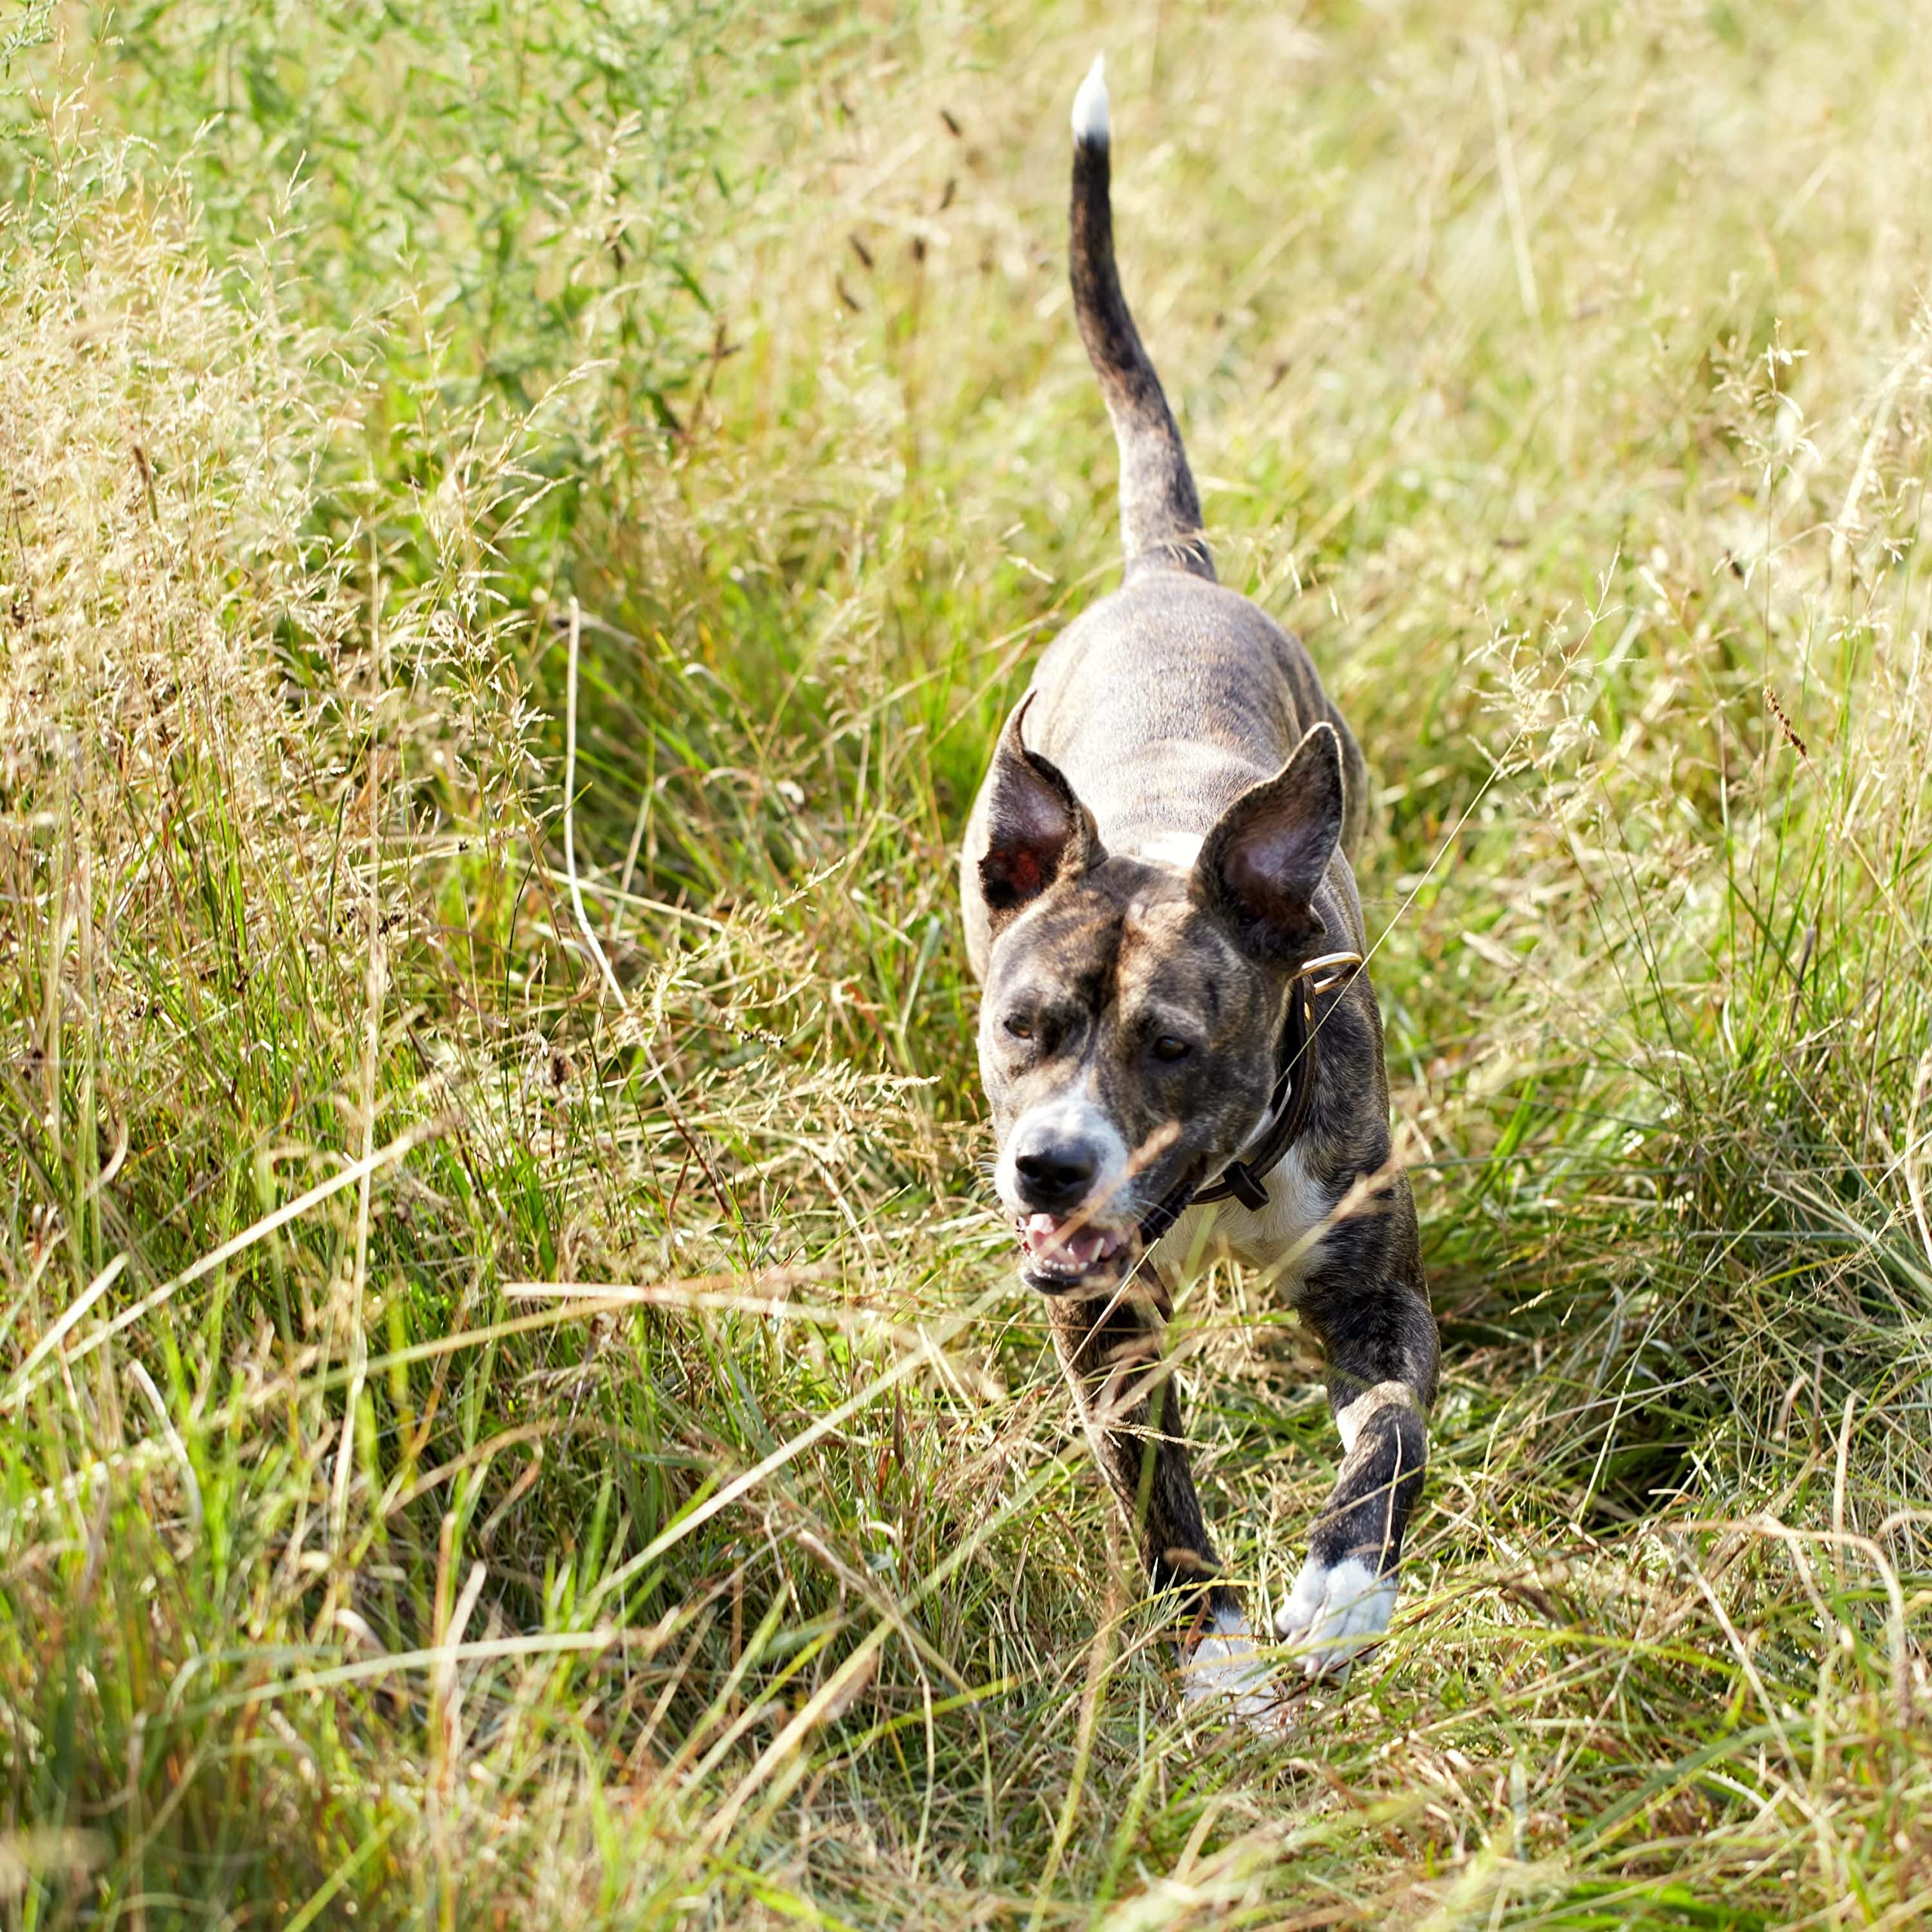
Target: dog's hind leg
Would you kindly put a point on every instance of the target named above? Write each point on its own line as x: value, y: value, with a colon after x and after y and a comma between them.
x: 1130, y: 1404
x: 1382, y: 1350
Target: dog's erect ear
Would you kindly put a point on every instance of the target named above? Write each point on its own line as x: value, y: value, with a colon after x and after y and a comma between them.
x: 1262, y: 863
x: 1037, y: 831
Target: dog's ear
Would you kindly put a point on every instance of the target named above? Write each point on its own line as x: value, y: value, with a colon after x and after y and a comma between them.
x: 1262, y: 863
x: 1037, y: 831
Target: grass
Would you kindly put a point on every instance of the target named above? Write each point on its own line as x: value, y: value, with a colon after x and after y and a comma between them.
x: 487, y: 1439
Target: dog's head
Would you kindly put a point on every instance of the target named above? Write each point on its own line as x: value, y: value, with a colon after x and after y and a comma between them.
x: 1128, y: 1028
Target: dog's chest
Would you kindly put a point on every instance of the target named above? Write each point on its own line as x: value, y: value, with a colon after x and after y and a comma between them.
x: 1284, y: 1236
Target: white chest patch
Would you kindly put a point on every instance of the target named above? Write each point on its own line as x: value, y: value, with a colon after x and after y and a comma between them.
x: 1283, y: 1238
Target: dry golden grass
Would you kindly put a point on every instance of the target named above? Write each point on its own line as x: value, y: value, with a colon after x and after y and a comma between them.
x: 479, y: 1445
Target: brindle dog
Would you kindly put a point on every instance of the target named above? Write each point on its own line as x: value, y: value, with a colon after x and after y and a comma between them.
x: 1157, y: 859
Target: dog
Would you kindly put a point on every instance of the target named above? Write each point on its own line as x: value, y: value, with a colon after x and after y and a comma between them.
x: 1180, y: 1047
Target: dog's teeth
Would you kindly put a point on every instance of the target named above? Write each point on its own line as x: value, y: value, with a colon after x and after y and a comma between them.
x: 1054, y: 1248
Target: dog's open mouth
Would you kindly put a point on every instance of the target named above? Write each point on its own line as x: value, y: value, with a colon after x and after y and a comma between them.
x: 1058, y: 1255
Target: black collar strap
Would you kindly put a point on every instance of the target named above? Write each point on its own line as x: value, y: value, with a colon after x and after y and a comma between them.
x: 1289, y: 1106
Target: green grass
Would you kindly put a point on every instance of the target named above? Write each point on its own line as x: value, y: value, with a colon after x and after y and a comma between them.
x: 480, y: 1448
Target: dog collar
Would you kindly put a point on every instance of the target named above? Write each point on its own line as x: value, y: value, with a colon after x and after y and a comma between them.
x: 1289, y: 1106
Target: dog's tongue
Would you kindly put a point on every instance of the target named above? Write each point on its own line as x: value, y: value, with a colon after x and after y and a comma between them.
x: 1042, y: 1237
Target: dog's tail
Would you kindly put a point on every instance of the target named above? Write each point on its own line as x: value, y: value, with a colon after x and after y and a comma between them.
x: 1160, y: 512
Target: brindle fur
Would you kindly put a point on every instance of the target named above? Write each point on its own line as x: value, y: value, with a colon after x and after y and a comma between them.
x: 1171, y: 711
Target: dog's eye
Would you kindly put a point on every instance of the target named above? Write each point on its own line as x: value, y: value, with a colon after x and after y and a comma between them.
x: 1019, y: 1026
x: 1168, y: 1047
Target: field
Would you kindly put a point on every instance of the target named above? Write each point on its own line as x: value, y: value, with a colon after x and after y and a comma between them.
x: 518, y: 520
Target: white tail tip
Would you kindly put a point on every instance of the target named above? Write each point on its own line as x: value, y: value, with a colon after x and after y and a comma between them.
x: 1090, y: 106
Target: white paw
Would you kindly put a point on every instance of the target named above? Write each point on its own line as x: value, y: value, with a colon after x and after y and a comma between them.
x: 1224, y: 1669
x: 1333, y: 1615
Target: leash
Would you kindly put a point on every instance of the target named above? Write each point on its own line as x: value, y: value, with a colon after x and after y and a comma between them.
x: 1292, y: 1101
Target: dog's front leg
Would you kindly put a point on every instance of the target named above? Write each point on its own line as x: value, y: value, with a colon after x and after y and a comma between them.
x: 1382, y: 1352
x: 1130, y: 1404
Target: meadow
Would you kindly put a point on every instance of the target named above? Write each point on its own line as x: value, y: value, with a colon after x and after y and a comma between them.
x: 518, y: 521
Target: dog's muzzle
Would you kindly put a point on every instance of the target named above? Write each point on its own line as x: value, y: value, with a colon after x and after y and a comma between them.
x: 1058, y: 1255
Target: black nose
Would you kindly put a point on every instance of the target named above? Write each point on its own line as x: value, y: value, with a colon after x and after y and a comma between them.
x: 1054, y: 1179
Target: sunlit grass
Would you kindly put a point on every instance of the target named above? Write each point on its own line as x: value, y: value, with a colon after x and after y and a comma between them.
x: 479, y: 1445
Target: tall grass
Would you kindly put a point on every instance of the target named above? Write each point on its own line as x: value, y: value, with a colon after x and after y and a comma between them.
x: 512, y: 1415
